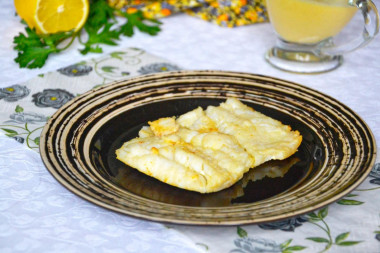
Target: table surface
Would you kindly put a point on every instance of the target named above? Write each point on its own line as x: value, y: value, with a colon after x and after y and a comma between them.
x: 191, y: 43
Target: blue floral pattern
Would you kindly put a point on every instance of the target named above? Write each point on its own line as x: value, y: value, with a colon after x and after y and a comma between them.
x: 256, y: 245
x: 27, y: 117
x: 158, y: 67
x: 19, y: 139
x: 75, y: 70
x: 52, y: 98
x: 285, y: 225
x: 14, y: 93
x: 246, y: 244
x: 375, y: 173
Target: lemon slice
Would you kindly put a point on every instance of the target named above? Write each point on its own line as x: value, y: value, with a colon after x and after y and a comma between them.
x: 53, y: 16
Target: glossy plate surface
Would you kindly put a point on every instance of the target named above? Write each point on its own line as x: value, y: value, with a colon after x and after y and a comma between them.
x: 78, y: 147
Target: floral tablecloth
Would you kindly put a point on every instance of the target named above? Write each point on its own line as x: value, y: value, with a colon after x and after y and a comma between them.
x: 349, y: 225
x: 26, y: 107
x: 36, y: 210
x: 36, y: 213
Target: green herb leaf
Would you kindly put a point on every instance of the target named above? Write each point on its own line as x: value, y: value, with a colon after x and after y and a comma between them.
x: 318, y: 239
x: 348, y: 243
x: 349, y: 202
x: 138, y: 20
x: 98, y: 26
x: 9, y: 132
x: 241, y: 232
x: 33, y: 57
x: 31, y: 39
x: 99, y: 14
x: 37, y: 141
x: 313, y: 215
x: 323, y: 213
x: 54, y: 39
x: 34, y: 49
x: 11, y: 135
x: 117, y: 55
x: 100, y: 35
x: 98, y: 85
x: 341, y: 237
x: 296, y: 248
x: 203, y: 245
x: 19, y: 109
x: 286, y: 243
x: 108, y: 69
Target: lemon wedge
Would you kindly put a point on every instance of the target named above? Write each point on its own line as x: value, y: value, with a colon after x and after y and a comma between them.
x: 48, y: 16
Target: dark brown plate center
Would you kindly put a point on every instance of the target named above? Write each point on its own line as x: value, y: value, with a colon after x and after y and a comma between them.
x: 266, y: 181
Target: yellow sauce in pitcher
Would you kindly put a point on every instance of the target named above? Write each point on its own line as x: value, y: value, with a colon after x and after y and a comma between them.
x: 309, y: 21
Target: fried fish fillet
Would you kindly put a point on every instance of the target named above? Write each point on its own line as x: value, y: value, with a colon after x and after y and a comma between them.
x: 207, y: 151
x: 192, y: 160
x: 263, y: 137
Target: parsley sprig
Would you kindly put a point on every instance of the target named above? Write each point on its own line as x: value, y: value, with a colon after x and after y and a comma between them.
x: 102, y: 27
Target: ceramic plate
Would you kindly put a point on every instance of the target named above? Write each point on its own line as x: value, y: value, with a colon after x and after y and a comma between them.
x: 78, y: 147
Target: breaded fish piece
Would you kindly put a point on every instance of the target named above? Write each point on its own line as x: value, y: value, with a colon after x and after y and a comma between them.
x: 202, y: 162
x: 263, y: 137
x: 197, y: 120
x: 207, y: 151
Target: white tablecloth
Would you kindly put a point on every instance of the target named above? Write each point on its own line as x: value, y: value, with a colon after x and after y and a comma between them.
x: 38, y: 215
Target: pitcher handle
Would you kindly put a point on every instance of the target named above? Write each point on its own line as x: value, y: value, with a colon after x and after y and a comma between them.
x: 371, y: 28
